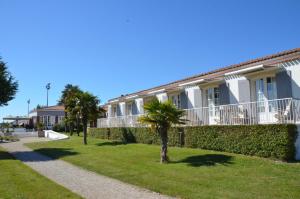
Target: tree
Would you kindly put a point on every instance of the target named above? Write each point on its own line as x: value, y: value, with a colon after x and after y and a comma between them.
x: 8, y: 85
x: 69, y: 99
x: 160, y: 116
x: 88, y: 110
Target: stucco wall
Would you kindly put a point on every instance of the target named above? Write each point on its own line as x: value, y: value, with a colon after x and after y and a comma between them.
x: 140, y: 105
x: 239, y: 89
x: 122, y: 108
x: 162, y: 97
x: 194, y: 97
x: 295, y: 75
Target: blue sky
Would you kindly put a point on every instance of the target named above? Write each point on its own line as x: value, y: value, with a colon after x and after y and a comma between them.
x: 116, y: 47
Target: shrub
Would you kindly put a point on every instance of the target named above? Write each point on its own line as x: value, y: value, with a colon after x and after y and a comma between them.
x: 9, y: 138
x: 137, y: 135
x: 59, y: 127
x: 270, y: 141
x: 102, y: 133
x: 273, y: 141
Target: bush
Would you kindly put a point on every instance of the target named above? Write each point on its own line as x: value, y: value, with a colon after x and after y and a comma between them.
x: 102, y: 133
x: 8, y: 138
x: 136, y: 135
x: 269, y: 141
x: 272, y: 141
x: 59, y: 127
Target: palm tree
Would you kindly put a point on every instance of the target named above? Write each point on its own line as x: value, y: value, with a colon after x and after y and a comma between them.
x: 68, y: 99
x: 160, y: 116
x: 87, y: 107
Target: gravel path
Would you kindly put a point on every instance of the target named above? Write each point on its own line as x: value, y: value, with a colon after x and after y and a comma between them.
x: 85, y: 183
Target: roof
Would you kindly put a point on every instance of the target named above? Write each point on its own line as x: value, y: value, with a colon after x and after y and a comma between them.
x: 50, y: 108
x: 53, y: 108
x: 273, y: 59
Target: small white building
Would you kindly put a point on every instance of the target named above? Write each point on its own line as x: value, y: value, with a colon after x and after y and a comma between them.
x: 49, y: 116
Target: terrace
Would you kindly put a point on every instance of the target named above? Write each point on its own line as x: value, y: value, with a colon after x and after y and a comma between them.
x: 278, y: 111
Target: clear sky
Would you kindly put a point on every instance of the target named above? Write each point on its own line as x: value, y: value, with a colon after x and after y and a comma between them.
x: 116, y: 47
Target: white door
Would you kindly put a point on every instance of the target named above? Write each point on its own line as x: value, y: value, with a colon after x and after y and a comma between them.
x: 265, y: 95
x: 213, y: 102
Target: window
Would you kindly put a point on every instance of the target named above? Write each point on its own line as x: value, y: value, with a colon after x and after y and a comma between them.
x: 260, y: 97
x: 265, y: 91
x: 129, y: 109
x: 176, y: 100
x: 271, y: 88
x: 217, y: 96
x: 271, y: 92
x: 212, y: 99
x: 114, y: 111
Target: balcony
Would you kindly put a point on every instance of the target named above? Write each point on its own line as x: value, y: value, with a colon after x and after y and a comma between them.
x: 280, y: 111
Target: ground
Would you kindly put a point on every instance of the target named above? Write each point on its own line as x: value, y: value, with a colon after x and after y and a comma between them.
x: 19, y: 181
x: 192, y: 173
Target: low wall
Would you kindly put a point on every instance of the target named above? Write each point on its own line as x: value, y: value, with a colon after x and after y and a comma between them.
x: 276, y: 141
x: 54, y: 135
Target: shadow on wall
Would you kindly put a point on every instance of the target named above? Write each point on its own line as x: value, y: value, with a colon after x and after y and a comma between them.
x: 206, y: 160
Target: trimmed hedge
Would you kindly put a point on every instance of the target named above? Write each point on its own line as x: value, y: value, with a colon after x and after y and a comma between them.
x: 269, y: 141
x: 276, y: 141
x: 136, y: 135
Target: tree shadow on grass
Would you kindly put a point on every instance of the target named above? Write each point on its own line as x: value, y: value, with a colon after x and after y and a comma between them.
x: 5, y: 156
x: 112, y: 143
x: 43, y: 154
x: 206, y: 160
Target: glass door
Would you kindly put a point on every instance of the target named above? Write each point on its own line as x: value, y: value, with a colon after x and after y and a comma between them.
x: 213, y: 102
x: 265, y: 94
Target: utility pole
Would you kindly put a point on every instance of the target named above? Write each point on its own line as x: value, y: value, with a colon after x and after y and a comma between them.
x: 48, y: 88
x: 28, y: 102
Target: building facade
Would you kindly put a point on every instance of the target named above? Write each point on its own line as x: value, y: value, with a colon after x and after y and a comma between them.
x: 260, y: 91
x: 48, y: 116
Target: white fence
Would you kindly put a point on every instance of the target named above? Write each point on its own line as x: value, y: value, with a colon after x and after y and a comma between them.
x: 262, y: 112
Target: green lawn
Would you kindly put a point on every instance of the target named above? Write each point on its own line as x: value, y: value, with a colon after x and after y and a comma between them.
x: 192, y: 173
x: 19, y: 181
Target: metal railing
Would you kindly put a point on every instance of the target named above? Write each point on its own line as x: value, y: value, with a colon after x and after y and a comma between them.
x: 261, y: 112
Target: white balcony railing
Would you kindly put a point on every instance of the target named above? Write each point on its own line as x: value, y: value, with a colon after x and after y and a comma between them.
x: 261, y: 112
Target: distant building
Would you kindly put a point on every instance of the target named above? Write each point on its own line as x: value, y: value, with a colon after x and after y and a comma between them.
x: 49, y: 116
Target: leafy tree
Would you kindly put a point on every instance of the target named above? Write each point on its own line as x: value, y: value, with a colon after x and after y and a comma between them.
x: 160, y: 116
x: 88, y: 110
x: 8, y: 85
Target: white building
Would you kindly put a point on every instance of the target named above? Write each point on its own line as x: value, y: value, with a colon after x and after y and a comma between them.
x: 49, y: 116
x: 260, y: 91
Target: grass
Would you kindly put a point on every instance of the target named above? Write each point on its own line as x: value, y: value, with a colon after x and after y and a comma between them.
x: 192, y: 173
x: 19, y: 181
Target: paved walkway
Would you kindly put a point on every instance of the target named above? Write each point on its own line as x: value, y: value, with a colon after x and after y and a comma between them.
x: 85, y: 183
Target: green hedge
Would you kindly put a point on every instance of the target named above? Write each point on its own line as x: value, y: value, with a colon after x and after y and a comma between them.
x: 273, y: 141
x: 270, y: 141
x: 136, y: 135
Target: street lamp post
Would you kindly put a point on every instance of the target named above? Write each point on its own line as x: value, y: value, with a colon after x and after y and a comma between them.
x: 48, y: 88
x: 28, y: 102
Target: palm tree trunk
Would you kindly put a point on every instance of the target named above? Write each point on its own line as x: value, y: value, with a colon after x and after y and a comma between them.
x: 164, y: 145
x: 85, y: 133
x: 71, y: 129
x: 77, y: 125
